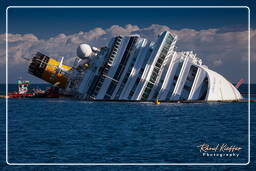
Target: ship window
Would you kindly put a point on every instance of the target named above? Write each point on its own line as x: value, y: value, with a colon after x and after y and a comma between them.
x: 204, y: 89
x: 133, y: 88
x: 146, y: 93
x: 189, y: 83
x: 175, y: 78
x: 156, y: 69
x: 150, y: 85
x: 97, y: 88
x: 111, y: 88
x: 158, y: 65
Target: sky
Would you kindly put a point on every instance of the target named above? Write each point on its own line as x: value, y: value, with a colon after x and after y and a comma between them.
x: 218, y: 36
x: 49, y: 22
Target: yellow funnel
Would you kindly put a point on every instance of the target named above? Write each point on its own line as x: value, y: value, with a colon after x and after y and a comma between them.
x: 49, y: 70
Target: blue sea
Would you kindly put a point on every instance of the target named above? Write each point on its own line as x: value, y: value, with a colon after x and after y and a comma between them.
x: 67, y: 130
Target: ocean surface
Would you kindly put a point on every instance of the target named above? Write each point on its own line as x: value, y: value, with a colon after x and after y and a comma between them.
x: 66, y: 130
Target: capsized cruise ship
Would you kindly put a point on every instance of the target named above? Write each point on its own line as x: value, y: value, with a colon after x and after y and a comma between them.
x: 134, y: 68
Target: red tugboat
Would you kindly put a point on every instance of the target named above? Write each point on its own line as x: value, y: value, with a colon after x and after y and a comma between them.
x: 22, y: 90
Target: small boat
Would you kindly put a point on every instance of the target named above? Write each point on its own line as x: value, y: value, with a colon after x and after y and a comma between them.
x: 22, y: 90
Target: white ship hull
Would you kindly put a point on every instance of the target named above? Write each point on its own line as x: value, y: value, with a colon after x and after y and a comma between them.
x: 133, y: 68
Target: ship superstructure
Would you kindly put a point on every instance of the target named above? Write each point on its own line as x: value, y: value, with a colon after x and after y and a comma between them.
x: 134, y: 68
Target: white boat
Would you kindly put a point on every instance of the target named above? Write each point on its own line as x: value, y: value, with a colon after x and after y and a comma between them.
x: 134, y: 68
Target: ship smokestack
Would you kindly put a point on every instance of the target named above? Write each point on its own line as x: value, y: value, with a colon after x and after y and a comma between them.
x: 49, y: 70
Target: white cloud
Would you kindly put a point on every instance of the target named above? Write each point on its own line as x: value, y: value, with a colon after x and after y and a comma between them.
x: 117, y: 30
x: 214, y: 47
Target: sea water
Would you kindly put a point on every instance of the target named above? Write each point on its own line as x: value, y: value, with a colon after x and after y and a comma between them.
x: 66, y: 130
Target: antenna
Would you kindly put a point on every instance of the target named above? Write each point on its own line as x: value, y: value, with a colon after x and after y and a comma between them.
x: 61, y: 62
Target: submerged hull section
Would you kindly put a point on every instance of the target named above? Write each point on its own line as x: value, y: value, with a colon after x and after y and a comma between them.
x: 134, y: 68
